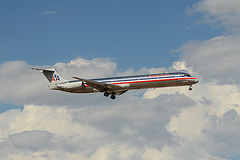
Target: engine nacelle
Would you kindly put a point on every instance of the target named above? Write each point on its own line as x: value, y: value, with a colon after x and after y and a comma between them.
x: 71, y: 85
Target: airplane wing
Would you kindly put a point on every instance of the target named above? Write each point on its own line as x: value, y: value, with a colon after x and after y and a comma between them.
x: 102, y: 87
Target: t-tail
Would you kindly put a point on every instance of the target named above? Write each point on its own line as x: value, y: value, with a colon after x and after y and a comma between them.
x: 52, y: 76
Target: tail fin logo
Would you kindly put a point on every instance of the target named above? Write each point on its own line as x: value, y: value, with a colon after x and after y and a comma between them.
x: 55, y: 78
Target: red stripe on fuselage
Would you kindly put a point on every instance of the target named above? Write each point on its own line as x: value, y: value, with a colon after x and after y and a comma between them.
x: 145, y: 81
x: 155, y: 80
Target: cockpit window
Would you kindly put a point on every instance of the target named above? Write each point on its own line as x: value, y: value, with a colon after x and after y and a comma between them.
x: 187, y: 75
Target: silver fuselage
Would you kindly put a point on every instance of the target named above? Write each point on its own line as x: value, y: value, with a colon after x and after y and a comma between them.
x: 130, y: 82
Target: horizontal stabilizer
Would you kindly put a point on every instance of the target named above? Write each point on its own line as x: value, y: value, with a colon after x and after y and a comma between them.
x: 41, y: 70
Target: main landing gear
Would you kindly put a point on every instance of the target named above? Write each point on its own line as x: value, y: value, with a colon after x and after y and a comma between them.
x: 113, y: 96
x: 106, y: 94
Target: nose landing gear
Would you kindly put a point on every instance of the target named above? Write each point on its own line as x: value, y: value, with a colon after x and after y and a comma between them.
x: 190, y: 87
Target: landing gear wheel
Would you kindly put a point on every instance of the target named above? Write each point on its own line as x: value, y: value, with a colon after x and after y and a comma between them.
x: 113, y: 96
x: 190, y: 87
x: 106, y: 94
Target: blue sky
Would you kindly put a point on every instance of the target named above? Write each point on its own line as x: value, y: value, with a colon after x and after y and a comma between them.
x: 91, y: 39
x: 134, y: 33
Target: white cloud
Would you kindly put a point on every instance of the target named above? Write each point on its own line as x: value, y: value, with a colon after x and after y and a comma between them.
x: 32, y: 140
x: 17, y: 82
x: 221, y: 97
x: 49, y: 119
x: 87, y: 68
x: 207, y: 132
x: 181, y: 65
x: 49, y: 132
x: 208, y: 127
x: 24, y: 86
x: 214, y: 59
x: 167, y: 122
x: 111, y: 130
x: 225, y: 12
x: 154, y: 154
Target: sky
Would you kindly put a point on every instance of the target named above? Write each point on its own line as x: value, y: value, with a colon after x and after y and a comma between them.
x: 92, y: 39
x: 133, y: 33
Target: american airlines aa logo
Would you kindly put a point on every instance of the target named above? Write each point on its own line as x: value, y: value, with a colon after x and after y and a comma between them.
x: 55, y: 78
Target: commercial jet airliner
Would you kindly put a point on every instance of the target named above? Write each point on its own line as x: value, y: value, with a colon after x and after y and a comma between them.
x: 117, y: 85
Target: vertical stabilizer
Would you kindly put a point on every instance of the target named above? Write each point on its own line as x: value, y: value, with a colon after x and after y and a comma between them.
x: 52, y: 75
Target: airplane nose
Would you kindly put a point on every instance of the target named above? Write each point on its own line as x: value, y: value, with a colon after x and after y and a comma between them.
x: 196, y: 80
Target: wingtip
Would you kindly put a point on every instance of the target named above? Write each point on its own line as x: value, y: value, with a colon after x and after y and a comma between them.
x: 40, y: 69
x: 32, y: 68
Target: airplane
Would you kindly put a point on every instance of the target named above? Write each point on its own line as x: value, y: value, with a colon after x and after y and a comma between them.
x: 117, y: 85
